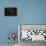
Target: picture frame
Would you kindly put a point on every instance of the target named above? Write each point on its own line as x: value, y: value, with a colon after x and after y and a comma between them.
x: 10, y: 11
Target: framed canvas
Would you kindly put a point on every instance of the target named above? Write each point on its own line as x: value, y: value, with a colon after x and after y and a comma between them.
x: 10, y: 11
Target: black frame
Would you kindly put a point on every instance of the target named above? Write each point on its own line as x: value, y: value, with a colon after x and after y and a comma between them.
x: 10, y: 11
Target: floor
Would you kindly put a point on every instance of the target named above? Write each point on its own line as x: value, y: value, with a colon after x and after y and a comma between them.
x: 28, y: 43
x: 7, y: 45
x: 34, y: 43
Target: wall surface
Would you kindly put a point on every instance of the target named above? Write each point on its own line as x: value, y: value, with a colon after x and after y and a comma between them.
x: 29, y: 12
